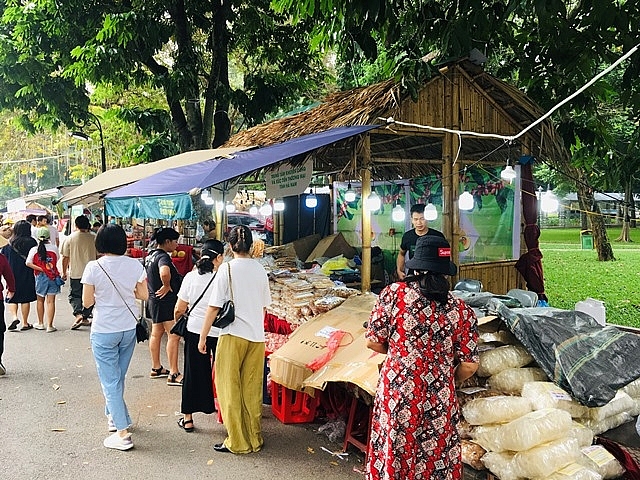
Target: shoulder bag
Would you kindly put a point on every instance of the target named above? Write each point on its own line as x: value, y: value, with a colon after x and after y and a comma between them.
x: 227, y: 313
x: 142, y: 326
x: 180, y: 327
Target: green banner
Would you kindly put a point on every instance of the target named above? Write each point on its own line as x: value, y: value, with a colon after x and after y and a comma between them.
x: 487, y: 231
x: 167, y: 207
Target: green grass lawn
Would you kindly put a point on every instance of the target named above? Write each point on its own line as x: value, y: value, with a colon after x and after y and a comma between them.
x: 572, y: 274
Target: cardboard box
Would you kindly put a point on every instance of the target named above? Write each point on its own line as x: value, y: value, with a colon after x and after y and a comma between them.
x: 352, y: 362
x: 332, y: 246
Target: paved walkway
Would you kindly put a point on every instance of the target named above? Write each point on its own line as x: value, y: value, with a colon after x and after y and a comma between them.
x: 52, y: 423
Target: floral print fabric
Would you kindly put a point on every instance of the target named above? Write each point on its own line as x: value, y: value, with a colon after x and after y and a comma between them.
x: 415, y: 418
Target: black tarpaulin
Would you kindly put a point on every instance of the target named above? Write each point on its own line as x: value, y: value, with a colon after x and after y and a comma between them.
x: 587, y: 360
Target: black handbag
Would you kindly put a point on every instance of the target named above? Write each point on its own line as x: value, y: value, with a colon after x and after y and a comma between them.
x: 142, y: 330
x: 227, y: 313
x: 142, y: 326
x: 180, y: 327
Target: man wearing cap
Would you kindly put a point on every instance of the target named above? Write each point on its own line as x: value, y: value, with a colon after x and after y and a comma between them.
x: 78, y: 249
x: 410, y: 237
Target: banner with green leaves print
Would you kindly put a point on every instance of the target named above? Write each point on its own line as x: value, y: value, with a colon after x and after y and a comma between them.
x: 488, y: 232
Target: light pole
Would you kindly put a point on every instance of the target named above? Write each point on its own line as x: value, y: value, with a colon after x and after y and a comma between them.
x: 80, y: 135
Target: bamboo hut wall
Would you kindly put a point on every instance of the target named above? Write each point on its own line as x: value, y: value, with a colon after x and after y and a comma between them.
x: 497, y: 277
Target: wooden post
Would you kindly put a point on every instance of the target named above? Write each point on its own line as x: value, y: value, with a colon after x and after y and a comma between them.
x: 365, y: 271
x: 451, y: 166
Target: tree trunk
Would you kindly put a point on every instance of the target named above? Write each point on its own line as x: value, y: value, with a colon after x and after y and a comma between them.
x: 626, y: 219
x: 187, y: 64
x: 600, y: 239
x: 220, y: 89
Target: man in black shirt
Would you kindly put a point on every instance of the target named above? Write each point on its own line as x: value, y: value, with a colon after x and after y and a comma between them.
x: 409, y: 239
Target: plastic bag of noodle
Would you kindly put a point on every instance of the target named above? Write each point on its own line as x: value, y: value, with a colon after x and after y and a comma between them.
x: 574, y: 471
x: 526, y: 432
x: 598, y: 458
x: 500, y: 409
x: 581, y: 433
x: 501, y: 465
x: 498, y: 359
x: 607, y: 424
x: 549, y: 395
x: 620, y: 403
x: 512, y: 380
x: 542, y: 460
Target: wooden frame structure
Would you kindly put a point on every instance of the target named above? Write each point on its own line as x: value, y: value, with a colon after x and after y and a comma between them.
x: 460, y: 97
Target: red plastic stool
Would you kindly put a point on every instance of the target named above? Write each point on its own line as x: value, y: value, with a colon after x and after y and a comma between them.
x: 354, y: 434
x: 291, y: 406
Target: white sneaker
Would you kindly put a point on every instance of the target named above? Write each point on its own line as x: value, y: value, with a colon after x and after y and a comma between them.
x: 110, y: 425
x: 51, y: 329
x: 117, y: 442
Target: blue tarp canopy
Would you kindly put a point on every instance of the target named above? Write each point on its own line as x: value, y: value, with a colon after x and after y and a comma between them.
x: 175, y: 183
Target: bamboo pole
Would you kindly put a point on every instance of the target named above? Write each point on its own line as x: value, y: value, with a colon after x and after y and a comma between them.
x: 365, y: 272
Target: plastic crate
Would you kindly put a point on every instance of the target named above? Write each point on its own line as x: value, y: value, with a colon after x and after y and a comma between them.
x: 292, y: 406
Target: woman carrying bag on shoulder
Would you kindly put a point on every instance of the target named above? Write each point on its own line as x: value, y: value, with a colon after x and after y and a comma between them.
x: 113, y: 283
x: 240, y: 351
x: 197, y: 388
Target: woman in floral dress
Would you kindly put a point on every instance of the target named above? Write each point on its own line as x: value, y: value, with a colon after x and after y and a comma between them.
x: 430, y: 340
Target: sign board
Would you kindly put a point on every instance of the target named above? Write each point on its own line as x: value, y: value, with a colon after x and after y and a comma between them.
x: 16, y: 205
x: 288, y: 180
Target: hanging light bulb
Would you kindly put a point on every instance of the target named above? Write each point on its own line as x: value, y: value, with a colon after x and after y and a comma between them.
x: 265, y: 209
x: 204, y: 194
x: 465, y: 202
x: 311, y: 201
x: 350, y: 194
x: 398, y: 214
x: 253, y: 209
x: 508, y: 174
x: 430, y: 212
x: 278, y: 205
x: 219, y: 206
x: 549, y: 202
x: 230, y: 207
x: 373, y: 202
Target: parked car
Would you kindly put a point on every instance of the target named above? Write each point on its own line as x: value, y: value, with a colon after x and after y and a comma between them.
x: 256, y: 224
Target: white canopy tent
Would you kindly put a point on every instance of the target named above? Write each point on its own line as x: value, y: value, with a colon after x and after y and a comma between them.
x: 96, y: 188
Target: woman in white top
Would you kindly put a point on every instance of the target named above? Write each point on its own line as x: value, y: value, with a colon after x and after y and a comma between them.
x: 240, y: 351
x: 197, y: 388
x: 112, y: 284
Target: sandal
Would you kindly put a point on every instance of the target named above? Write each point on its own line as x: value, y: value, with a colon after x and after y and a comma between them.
x: 182, y: 423
x: 28, y: 326
x: 159, y: 372
x: 173, y: 379
x: 13, y: 325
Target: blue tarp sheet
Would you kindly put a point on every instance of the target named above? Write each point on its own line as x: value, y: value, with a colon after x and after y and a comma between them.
x: 181, y: 180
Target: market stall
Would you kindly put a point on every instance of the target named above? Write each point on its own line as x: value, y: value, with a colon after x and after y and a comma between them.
x: 532, y: 410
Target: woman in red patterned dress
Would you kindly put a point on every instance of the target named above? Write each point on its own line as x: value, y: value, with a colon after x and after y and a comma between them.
x: 430, y: 340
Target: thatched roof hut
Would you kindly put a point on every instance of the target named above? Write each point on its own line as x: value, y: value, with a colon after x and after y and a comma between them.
x: 480, y: 103
x: 462, y: 96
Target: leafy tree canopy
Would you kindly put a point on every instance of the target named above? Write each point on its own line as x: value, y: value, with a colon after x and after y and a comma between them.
x: 52, y: 52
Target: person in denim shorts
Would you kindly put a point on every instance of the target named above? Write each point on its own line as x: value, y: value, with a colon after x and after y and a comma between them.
x: 43, y: 259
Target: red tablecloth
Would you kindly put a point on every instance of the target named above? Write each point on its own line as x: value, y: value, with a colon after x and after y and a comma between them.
x: 184, y: 264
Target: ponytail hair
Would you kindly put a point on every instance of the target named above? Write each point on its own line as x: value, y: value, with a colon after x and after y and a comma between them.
x: 42, y: 250
x: 210, y: 251
x: 241, y: 239
x: 433, y: 286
